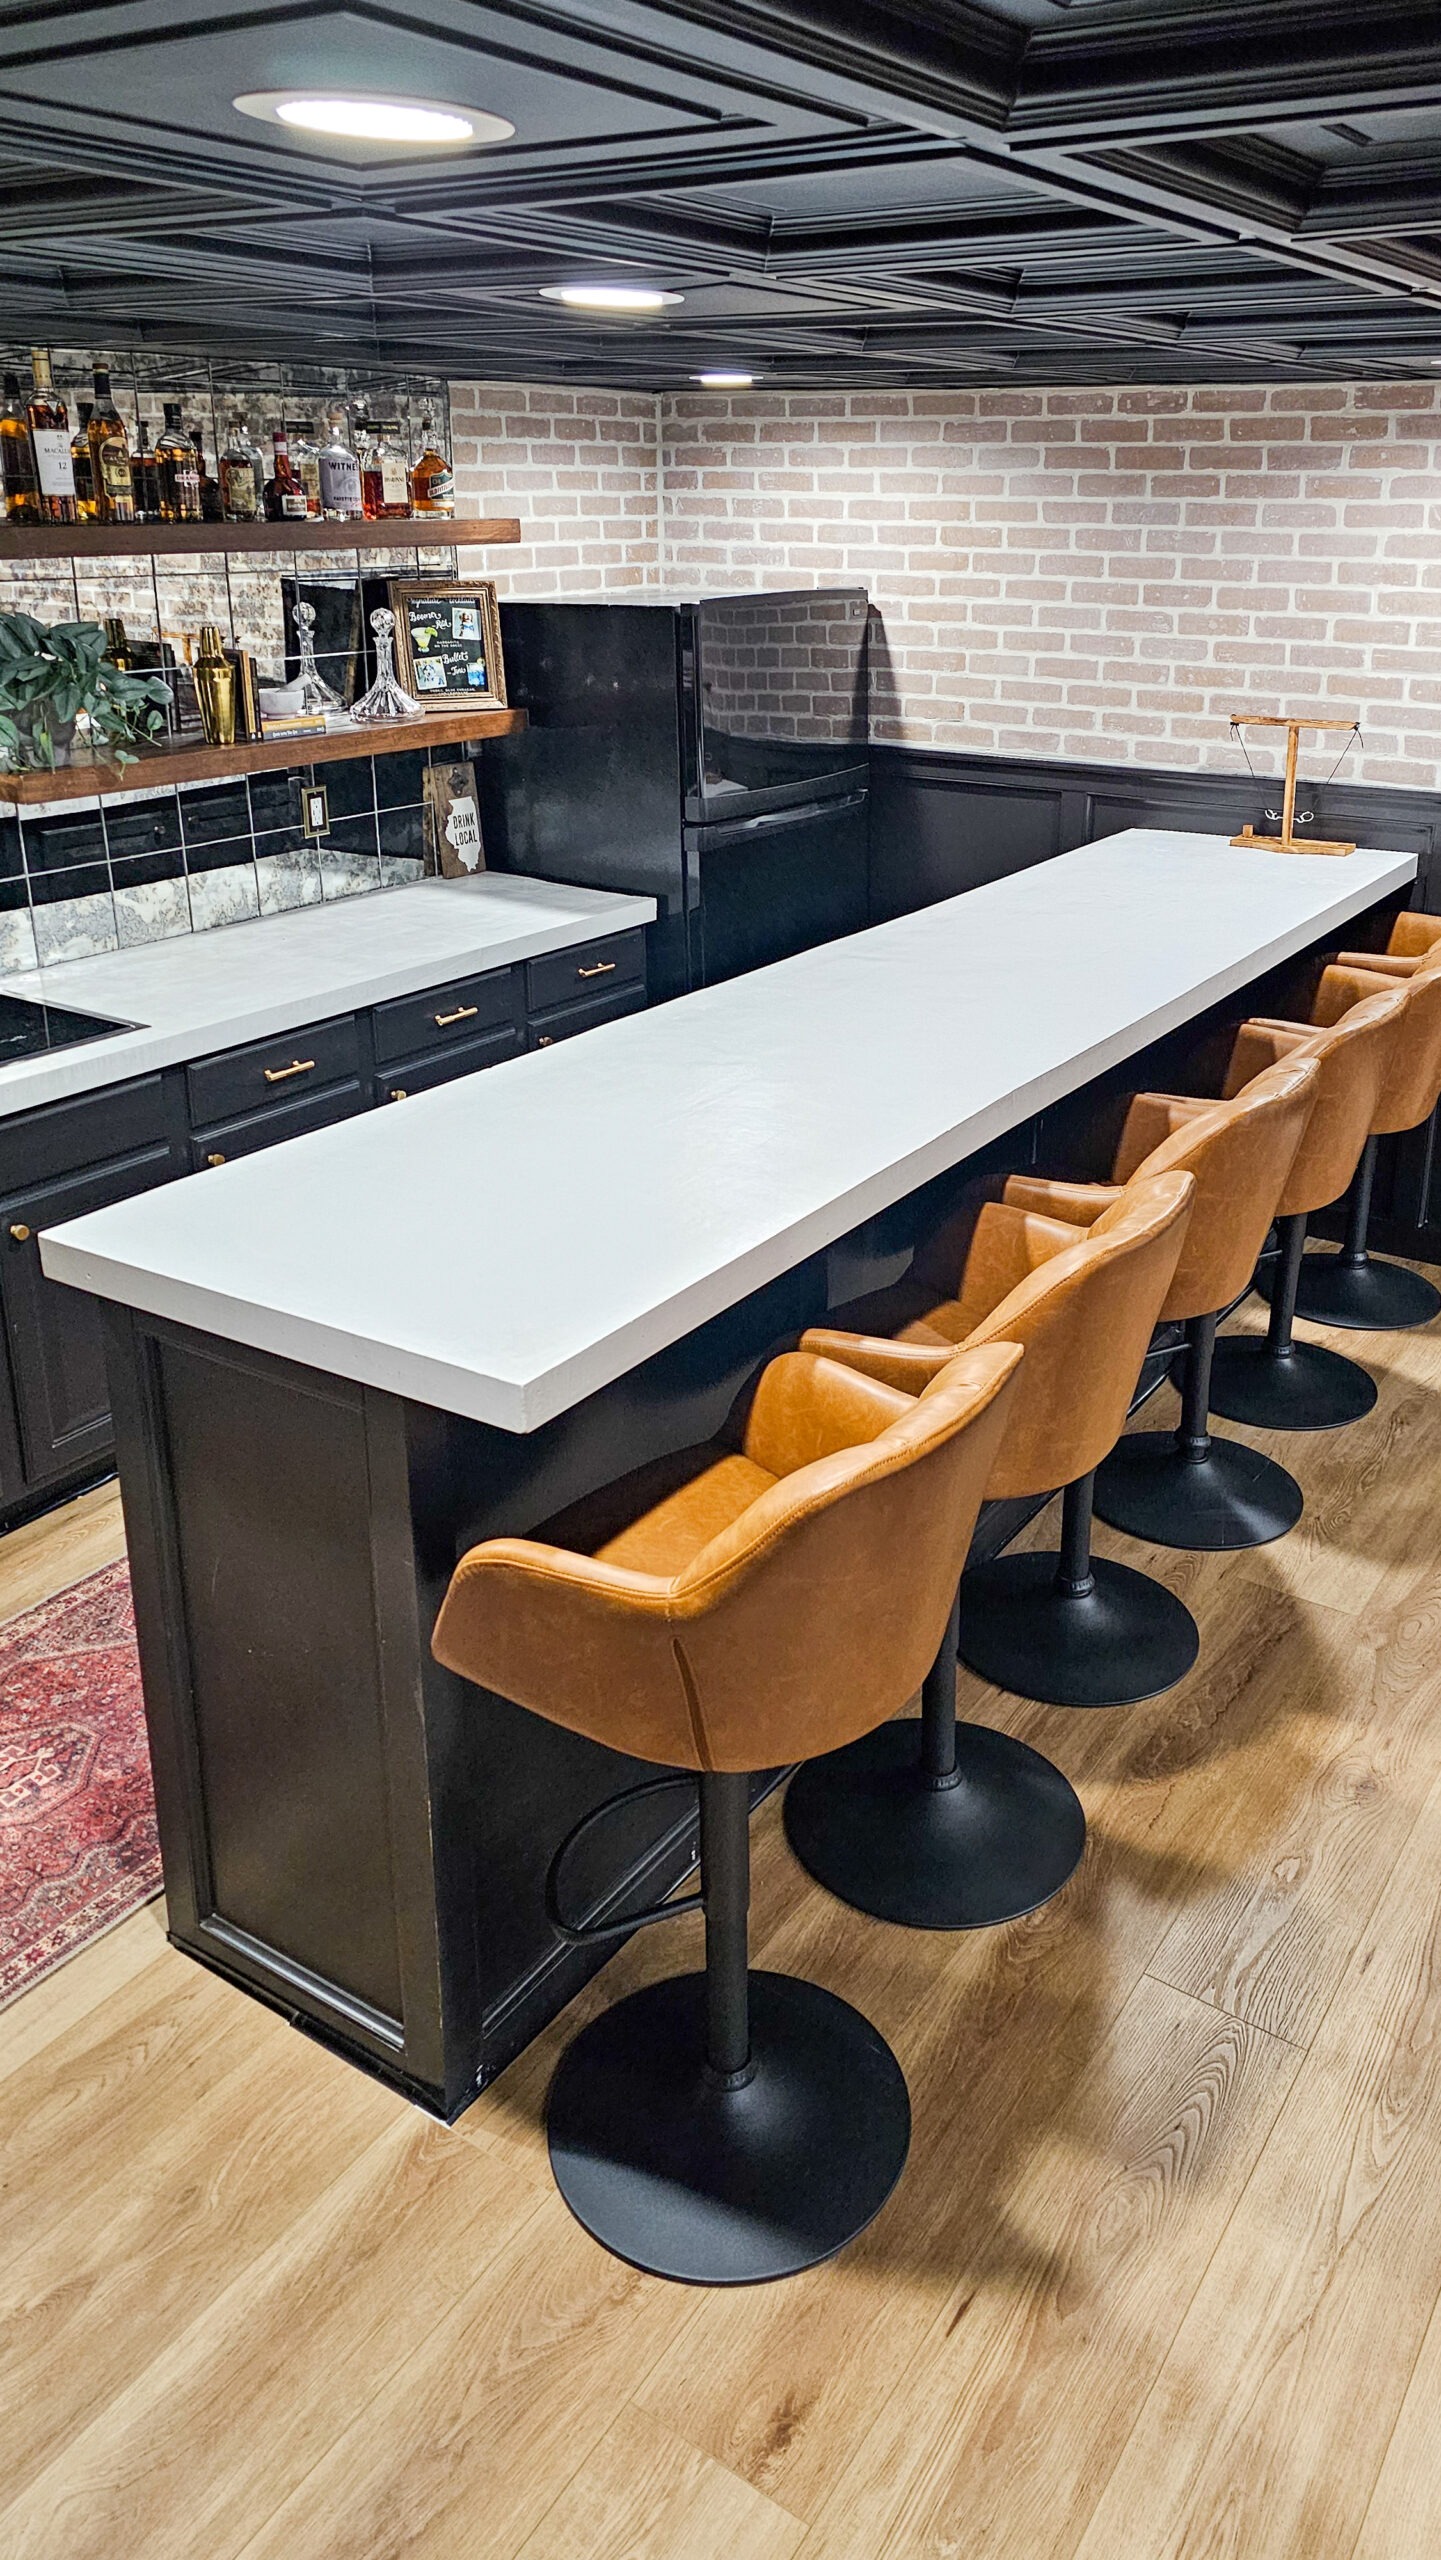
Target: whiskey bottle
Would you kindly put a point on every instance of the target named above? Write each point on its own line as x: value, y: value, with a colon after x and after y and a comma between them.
x: 145, y: 477
x: 284, y: 496
x: 86, y: 506
x: 110, y: 456
x: 242, y: 476
x: 339, y: 472
x: 178, y: 468
x: 432, y: 481
x: 212, y: 510
x: 384, y: 481
x: 305, y: 459
x: 19, y: 479
x: 50, y: 437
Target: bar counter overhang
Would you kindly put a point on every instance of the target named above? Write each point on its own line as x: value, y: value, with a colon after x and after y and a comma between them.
x: 337, y: 1364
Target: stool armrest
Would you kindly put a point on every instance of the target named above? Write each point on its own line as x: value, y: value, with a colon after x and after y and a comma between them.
x: 807, y: 1408
x: 1079, y: 1204
x: 1150, y: 1121
x: 907, y: 1365
x: 1260, y: 1044
x: 1392, y: 965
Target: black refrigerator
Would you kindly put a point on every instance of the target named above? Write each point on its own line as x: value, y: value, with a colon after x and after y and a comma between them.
x: 709, y: 752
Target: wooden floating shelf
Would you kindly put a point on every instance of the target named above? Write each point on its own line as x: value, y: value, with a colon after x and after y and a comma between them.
x: 146, y: 541
x: 157, y: 767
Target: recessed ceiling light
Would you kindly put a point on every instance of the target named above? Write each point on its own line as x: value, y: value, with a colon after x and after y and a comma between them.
x: 608, y: 297
x: 407, y: 121
x: 725, y: 381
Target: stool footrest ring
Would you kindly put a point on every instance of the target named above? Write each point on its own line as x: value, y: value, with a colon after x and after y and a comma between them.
x: 581, y: 1933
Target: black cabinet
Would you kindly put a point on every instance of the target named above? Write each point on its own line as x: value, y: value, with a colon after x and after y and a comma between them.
x: 57, y: 1359
x: 67, y: 1158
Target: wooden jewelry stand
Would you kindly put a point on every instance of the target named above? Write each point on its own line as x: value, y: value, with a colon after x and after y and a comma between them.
x: 1286, y: 841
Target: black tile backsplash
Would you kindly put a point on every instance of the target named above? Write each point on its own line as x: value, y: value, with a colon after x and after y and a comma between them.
x: 376, y: 810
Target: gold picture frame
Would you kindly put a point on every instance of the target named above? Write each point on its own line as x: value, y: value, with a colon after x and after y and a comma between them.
x: 452, y: 653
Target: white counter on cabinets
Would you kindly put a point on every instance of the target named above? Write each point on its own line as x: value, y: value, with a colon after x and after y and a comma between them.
x: 204, y: 991
x: 510, y: 1244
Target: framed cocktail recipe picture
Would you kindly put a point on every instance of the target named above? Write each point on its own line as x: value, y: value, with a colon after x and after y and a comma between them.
x: 447, y: 641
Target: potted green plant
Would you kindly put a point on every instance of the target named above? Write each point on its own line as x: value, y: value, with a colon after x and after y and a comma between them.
x: 51, y: 673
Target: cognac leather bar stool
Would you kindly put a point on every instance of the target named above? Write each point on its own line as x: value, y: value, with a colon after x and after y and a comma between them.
x: 1273, y: 1381
x: 947, y: 1825
x: 746, y: 1603
x: 1183, y: 1488
x: 1347, y: 1287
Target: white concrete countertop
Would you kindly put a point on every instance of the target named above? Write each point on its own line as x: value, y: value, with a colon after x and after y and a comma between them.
x: 204, y: 991
x: 506, y: 1245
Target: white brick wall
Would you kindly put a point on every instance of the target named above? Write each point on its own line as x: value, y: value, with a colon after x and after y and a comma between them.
x: 1102, y: 574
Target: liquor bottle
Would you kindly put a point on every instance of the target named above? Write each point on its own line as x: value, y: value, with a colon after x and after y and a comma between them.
x: 305, y: 459
x: 19, y: 479
x: 145, y: 477
x: 110, y: 456
x: 212, y: 510
x: 284, y: 496
x: 117, y: 647
x: 384, y: 481
x: 86, y: 505
x: 339, y: 472
x: 50, y: 436
x: 242, y: 475
x: 432, y: 481
x: 179, y: 470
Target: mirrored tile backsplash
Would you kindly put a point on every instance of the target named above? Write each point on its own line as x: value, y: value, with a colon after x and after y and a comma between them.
x: 83, y: 876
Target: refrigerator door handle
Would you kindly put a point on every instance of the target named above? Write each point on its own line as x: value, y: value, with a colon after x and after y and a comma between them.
x: 730, y: 830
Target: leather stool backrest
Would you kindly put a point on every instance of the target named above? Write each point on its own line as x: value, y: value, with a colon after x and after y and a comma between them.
x: 809, y: 1620
x: 1414, y: 936
x: 1352, y: 1060
x: 1085, y: 1318
x: 1411, y: 1085
x: 1240, y: 1153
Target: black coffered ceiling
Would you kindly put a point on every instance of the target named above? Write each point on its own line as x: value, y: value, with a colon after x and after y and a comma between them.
x: 856, y: 192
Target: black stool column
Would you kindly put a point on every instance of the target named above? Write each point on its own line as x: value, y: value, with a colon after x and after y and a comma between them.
x: 1184, y: 1489
x: 1277, y: 1383
x: 936, y: 1825
x: 727, y: 2127
x: 1349, y: 1289
x: 1073, y: 1629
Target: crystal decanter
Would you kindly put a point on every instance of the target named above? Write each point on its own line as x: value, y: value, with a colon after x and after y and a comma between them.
x: 315, y: 693
x: 387, y: 698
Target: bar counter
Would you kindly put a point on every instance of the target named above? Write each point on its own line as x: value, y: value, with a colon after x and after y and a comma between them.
x: 338, y: 1363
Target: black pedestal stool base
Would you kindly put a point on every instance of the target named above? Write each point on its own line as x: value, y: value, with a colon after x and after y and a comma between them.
x: 1304, y: 1388
x: 988, y: 1841
x: 1364, y: 1296
x: 1232, y: 1497
x: 1279, y: 1384
x: 1073, y: 1630
x: 708, y: 2183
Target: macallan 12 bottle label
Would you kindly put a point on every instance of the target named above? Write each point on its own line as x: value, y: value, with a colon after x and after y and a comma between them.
x: 52, y: 461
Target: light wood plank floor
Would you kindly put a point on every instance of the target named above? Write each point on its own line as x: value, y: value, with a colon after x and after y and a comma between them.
x: 1162, y: 2281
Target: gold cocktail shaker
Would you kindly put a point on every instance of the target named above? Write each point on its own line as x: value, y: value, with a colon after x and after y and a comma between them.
x: 215, y: 688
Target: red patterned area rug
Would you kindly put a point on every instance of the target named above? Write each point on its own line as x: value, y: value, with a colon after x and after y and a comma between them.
x: 78, y: 1850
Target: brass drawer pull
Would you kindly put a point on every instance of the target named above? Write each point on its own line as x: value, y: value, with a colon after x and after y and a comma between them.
x: 462, y: 1013
x: 21, y: 1234
x: 602, y: 969
x: 215, y: 1159
x: 277, y: 1075
x: 397, y: 1093
x: 545, y: 1040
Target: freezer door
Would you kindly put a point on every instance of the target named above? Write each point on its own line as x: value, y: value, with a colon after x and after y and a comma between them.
x: 775, y: 884
x: 775, y: 698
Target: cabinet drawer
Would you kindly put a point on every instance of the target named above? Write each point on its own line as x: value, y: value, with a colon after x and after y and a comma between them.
x: 459, y: 1058
x: 272, y: 1070
x: 571, y: 1018
x: 267, y: 1128
x: 61, y: 1136
x: 595, y: 969
x: 440, y: 1016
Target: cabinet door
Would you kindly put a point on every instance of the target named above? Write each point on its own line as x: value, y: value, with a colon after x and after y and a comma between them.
x: 56, y: 1347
